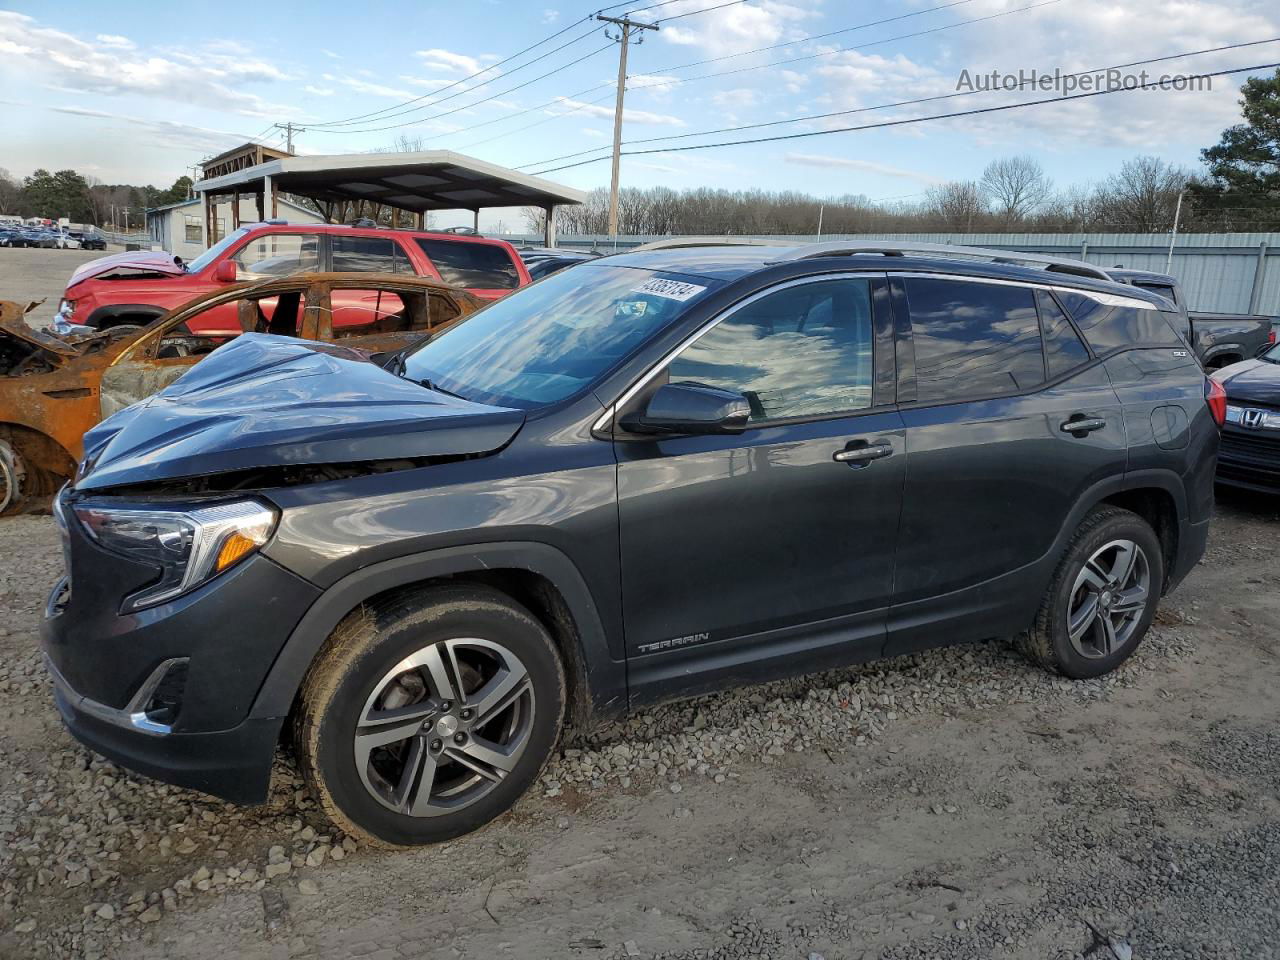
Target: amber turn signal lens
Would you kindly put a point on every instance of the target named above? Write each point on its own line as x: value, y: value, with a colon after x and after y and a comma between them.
x: 234, y: 548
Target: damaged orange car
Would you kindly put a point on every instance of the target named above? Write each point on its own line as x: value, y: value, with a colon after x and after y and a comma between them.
x: 55, y: 387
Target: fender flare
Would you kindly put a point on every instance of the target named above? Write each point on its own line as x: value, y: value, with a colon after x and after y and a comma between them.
x: 1165, y: 480
x: 1218, y: 349
x: 601, y: 680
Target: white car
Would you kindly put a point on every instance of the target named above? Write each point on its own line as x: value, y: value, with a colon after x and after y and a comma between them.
x: 67, y: 242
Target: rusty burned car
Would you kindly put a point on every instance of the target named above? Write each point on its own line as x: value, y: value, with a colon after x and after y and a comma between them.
x: 54, y: 387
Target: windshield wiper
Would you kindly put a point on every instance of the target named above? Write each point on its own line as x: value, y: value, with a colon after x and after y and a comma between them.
x: 437, y: 388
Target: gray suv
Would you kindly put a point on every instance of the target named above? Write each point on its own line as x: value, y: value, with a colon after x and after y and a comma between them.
x: 658, y: 474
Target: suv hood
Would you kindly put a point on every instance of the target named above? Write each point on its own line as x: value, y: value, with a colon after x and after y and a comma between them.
x: 1252, y: 381
x: 264, y: 401
x: 126, y: 264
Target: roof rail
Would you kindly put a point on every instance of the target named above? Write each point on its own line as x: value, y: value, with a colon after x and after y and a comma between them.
x: 842, y: 248
x: 673, y: 243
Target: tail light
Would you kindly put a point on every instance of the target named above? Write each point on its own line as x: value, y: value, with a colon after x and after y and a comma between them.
x: 1216, y: 397
x: 1271, y: 337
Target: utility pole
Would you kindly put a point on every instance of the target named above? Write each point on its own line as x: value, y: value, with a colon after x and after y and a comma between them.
x: 289, y: 130
x: 191, y: 189
x: 1177, y: 215
x: 624, y: 40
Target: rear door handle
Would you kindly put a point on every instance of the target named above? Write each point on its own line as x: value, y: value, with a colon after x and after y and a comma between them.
x: 1079, y: 425
x: 859, y: 452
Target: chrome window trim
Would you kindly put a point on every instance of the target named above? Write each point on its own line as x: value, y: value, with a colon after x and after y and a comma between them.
x: 1107, y: 299
x: 602, y: 422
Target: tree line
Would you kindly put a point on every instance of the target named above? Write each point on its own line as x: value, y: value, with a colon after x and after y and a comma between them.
x: 84, y: 199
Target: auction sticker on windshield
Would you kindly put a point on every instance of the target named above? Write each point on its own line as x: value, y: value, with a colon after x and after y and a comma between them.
x: 670, y: 289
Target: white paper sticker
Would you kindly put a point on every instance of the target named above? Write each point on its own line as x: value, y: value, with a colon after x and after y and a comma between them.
x: 670, y: 289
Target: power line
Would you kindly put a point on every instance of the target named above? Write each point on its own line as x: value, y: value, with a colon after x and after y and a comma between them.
x: 476, y: 103
x: 907, y: 103
x: 695, y: 63
x: 536, y: 123
x: 436, y: 99
x: 332, y: 126
x: 681, y: 16
x: 912, y: 120
x: 492, y: 66
x: 821, y: 36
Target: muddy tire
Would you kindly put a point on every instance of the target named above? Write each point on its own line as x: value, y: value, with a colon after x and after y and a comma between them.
x: 427, y: 715
x: 1102, y: 597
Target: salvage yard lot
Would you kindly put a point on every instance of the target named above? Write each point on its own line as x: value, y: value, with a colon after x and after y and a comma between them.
x: 955, y: 804
x: 31, y: 273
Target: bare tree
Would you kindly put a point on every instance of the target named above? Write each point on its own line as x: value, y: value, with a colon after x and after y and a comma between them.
x: 10, y: 192
x: 1142, y: 196
x: 1016, y: 187
x: 957, y: 204
x: 535, y: 219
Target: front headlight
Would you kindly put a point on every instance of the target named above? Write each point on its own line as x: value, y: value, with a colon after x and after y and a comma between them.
x: 189, y: 547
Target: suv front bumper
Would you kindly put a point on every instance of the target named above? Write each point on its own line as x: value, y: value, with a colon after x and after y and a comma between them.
x: 232, y: 764
x: 112, y: 671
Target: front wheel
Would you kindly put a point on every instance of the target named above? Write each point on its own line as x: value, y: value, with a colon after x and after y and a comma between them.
x: 1102, y: 598
x: 427, y: 716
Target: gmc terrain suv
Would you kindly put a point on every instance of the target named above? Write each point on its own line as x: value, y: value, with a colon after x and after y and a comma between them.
x: 655, y: 475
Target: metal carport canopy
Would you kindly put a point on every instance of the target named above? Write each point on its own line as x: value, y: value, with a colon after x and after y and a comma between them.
x: 418, y: 181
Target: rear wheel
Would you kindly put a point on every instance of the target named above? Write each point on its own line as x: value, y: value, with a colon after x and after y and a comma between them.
x: 426, y: 716
x: 1102, y: 598
x: 10, y: 479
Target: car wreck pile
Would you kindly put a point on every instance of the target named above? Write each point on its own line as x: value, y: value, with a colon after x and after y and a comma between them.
x: 54, y: 386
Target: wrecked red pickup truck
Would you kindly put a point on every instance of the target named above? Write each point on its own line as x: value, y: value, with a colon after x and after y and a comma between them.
x: 54, y: 388
x: 139, y: 286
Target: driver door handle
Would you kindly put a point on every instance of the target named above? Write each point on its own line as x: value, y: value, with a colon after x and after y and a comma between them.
x: 859, y: 452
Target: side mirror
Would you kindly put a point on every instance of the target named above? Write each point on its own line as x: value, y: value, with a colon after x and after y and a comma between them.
x: 226, y: 272
x: 691, y: 408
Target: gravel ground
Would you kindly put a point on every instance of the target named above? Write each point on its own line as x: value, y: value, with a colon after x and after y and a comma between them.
x: 954, y: 804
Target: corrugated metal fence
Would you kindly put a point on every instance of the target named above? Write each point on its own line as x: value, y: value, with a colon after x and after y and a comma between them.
x: 1225, y: 272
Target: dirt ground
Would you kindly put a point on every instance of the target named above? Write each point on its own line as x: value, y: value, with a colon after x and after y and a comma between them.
x: 956, y: 804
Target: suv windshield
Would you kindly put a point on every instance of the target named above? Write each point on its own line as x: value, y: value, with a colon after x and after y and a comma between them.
x: 546, y: 342
x: 206, y: 258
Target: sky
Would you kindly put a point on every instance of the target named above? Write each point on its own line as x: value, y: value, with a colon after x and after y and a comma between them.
x: 136, y: 92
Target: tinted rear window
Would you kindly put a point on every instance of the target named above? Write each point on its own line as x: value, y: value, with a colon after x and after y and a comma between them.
x: 1110, y: 328
x: 973, y: 339
x: 1063, y: 350
x: 480, y: 266
x: 366, y: 255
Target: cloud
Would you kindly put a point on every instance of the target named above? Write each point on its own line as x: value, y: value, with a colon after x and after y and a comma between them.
x: 734, y: 29
x: 319, y: 91
x: 629, y: 115
x: 206, y: 77
x: 866, y: 166
x: 115, y: 42
x: 170, y: 133
x: 1075, y: 36
x: 550, y: 16
x: 446, y: 61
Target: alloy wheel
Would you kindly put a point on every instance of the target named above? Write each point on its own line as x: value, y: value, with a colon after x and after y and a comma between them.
x: 1108, y: 599
x: 444, y: 726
